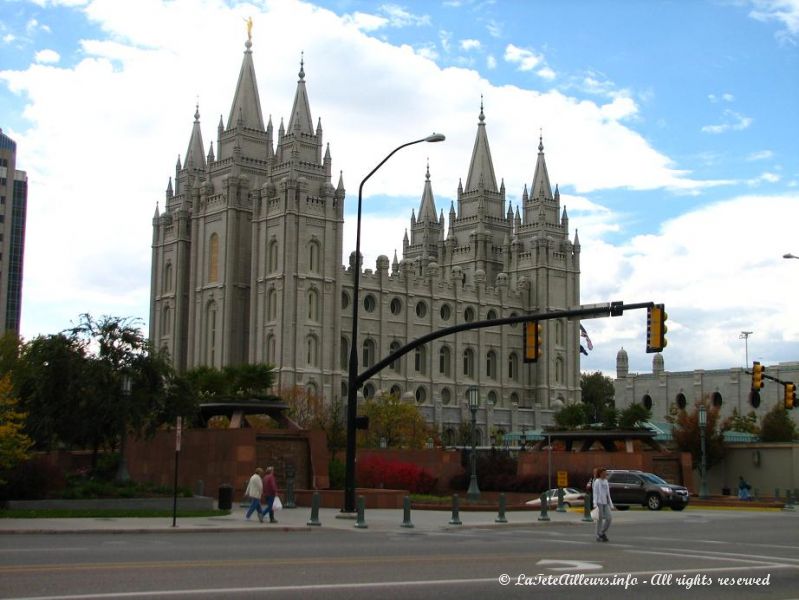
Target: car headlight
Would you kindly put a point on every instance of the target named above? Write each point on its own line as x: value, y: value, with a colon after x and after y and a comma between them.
x: 666, y: 490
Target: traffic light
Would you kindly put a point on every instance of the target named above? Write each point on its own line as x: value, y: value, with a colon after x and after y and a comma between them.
x: 757, y: 375
x: 790, y: 395
x: 656, y: 328
x: 533, y: 341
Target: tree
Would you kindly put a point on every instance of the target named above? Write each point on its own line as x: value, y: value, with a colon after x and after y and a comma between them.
x: 310, y: 411
x: 15, y: 445
x: 597, y: 393
x: 232, y: 382
x: 632, y: 416
x: 687, y: 437
x: 572, y: 416
x: 400, y: 424
x: 777, y: 425
x: 738, y: 422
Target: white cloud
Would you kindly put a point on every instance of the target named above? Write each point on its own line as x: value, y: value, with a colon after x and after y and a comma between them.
x: 760, y: 155
x: 726, y: 97
x: 104, y: 137
x: 366, y: 22
x: 713, y: 284
x: 785, y: 12
x: 469, y: 44
x: 732, y: 121
x: 446, y: 39
x: 491, y: 62
x: 546, y: 73
x: 400, y: 17
x: 494, y: 29
x: 9, y: 37
x: 527, y: 60
x: 47, y: 56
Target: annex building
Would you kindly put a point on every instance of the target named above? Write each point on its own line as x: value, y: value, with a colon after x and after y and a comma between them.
x: 246, y: 267
x: 13, y: 209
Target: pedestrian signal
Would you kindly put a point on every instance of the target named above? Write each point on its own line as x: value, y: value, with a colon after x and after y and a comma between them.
x: 790, y: 395
x: 656, y: 328
x: 533, y: 341
x: 757, y: 375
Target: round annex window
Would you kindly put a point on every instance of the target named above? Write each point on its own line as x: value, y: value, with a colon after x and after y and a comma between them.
x: 468, y: 314
x: 647, y: 401
x: 681, y: 401
x: 395, y: 306
x: 492, y: 314
x: 513, y: 314
x: 446, y: 312
x: 369, y: 303
x: 368, y: 391
x: 446, y: 396
x: 345, y: 300
x: 421, y: 395
x: 421, y: 309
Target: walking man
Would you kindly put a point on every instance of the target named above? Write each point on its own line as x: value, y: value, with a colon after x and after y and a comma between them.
x: 255, y: 488
x: 603, y: 504
x: 270, y: 491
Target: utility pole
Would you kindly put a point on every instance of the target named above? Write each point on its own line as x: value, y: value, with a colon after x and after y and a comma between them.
x: 745, y: 337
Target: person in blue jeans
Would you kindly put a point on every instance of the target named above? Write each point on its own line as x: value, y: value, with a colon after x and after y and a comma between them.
x: 270, y: 491
x: 603, y: 504
x: 255, y: 488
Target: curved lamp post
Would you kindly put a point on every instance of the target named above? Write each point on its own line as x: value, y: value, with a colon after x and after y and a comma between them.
x: 352, y: 381
x: 122, y: 468
x: 789, y: 255
x: 703, y: 474
x: 473, y: 395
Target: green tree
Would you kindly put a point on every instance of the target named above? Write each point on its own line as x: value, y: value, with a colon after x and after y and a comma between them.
x: 15, y: 445
x: 744, y: 423
x: 399, y: 423
x: 572, y: 416
x: 231, y: 383
x: 777, y: 425
x: 633, y: 415
x: 597, y: 393
x: 686, y: 434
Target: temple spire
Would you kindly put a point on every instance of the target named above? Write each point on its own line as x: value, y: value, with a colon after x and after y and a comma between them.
x: 195, y: 154
x: 481, y: 168
x: 427, y: 209
x: 246, y: 102
x: 300, y: 119
x: 541, y: 186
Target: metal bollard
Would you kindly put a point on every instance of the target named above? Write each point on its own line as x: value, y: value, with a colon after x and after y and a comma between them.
x: 789, y: 501
x: 755, y: 494
x: 776, y: 493
x: 455, y: 520
x: 314, y: 520
x: 561, y: 507
x: 544, y: 507
x: 360, y: 523
x: 406, y: 512
x: 289, y: 503
x: 588, y: 502
x: 501, y: 516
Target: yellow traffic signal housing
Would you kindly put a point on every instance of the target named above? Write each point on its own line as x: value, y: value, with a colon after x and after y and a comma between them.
x: 533, y: 341
x: 757, y: 375
x: 656, y: 328
x: 790, y: 395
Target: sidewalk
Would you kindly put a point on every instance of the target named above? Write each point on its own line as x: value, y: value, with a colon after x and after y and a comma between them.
x: 294, y: 519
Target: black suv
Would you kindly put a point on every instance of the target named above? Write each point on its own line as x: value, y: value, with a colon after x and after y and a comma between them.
x: 646, y: 489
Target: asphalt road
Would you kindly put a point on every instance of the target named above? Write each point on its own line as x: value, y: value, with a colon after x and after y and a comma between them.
x: 695, y: 554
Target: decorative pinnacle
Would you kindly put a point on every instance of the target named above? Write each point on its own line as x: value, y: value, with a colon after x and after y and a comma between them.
x: 428, y: 170
x: 482, y: 116
x: 541, y: 139
x: 197, y: 111
x: 302, y: 65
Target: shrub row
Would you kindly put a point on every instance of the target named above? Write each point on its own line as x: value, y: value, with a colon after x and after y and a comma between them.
x: 375, y: 471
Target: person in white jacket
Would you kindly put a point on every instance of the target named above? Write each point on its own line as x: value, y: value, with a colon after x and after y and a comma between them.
x: 603, y: 503
x: 255, y: 488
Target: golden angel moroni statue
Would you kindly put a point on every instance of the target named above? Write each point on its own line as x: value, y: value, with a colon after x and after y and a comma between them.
x: 248, y: 20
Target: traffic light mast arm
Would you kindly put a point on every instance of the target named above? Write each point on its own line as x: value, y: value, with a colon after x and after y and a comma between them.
x: 764, y: 376
x: 612, y: 309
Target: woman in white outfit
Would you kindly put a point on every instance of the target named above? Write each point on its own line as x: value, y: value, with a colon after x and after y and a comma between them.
x: 603, y: 504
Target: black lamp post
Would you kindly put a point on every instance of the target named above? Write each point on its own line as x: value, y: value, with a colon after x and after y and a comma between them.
x: 352, y: 381
x: 473, y: 395
x: 703, y: 473
x: 122, y: 469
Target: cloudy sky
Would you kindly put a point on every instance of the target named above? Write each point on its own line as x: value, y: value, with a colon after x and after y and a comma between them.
x: 670, y: 128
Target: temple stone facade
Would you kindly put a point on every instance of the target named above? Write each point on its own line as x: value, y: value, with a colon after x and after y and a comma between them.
x: 246, y: 267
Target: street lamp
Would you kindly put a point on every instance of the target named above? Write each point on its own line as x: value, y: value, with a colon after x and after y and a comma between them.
x: 745, y: 337
x: 122, y: 469
x: 789, y: 255
x: 352, y: 380
x: 703, y: 473
x: 473, y: 395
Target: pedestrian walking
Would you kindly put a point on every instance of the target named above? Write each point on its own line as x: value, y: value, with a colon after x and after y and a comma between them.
x: 743, y: 489
x: 603, y: 503
x: 269, y: 492
x: 255, y: 488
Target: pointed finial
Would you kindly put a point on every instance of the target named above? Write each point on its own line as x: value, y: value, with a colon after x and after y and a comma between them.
x: 302, y: 65
x: 197, y: 111
x: 482, y: 116
x: 541, y: 139
x: 427, y: 176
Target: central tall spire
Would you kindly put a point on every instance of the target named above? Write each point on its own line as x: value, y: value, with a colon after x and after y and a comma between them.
x: 482, y: 167
x: 246, y: 102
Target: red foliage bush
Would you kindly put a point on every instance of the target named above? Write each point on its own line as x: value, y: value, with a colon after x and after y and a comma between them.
x: 375, y: 471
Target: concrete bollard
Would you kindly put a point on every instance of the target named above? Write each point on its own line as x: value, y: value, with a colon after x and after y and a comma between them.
x: 588, y: 502
x: 501, y: 516
x: 544, y: 516
x: 755, y: 494
x: 289, y: 503
x: 406, y: 512
x: 561, y: 507
x: 776, y: 493
x: 789, y: 501
x: 360, y: 523
x: 314, y: 520
x: 455, y: 520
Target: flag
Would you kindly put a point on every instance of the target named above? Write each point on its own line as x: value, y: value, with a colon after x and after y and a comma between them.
x: 583, y: 350
x: 584, y: 334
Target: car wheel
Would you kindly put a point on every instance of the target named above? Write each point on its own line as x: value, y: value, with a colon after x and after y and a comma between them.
x: 678, y: 507
x: 653, y: 502
x: 566, y: 505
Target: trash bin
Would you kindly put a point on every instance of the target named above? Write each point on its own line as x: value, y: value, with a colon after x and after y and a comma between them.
x: 225, y: 497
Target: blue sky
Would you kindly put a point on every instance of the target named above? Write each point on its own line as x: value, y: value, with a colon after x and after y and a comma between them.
x: 670, y: 127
